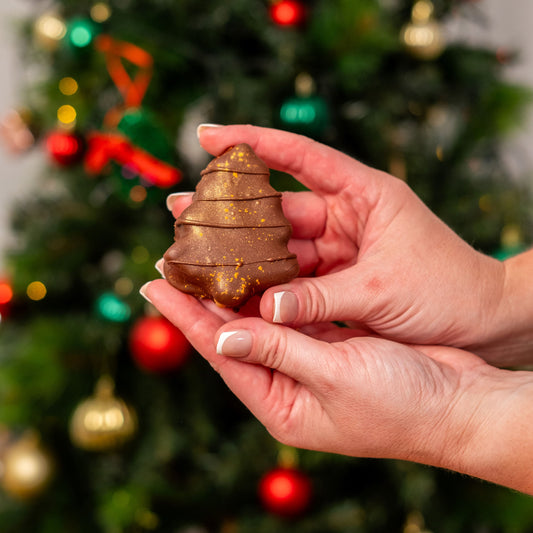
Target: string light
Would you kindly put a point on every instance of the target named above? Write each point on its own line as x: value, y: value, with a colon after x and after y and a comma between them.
x: 81, y: 33
x: 138, y: 193
x: 140, y: 255
x: 123, y: 286
x: 112, y: 308
x: 50, y: 28
x: 68, y: 86
x: 100, y: 12
x: 66, y: 114
x: 36, y: 290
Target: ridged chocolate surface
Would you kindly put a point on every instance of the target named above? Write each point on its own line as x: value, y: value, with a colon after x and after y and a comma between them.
x: 231, y: 242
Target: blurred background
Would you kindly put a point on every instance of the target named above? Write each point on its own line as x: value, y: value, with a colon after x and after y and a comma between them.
x: 108, y: 422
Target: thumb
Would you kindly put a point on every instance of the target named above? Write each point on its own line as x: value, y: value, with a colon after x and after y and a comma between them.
x: 343, y: 295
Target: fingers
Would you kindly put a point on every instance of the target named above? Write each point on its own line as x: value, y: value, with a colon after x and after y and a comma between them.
x: 306, y: 212
x: 177, y: 202
x: 186, y: 313
x: 284, y: 349
x: 318, y: 167
x: 254, y: 384
x: 285, y: 399
x: 306, y: 255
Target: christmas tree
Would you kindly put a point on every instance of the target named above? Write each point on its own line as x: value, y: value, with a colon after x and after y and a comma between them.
x: 108, y: 421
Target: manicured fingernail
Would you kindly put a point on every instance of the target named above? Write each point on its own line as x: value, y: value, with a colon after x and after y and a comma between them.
x: 142, y: 292
x: 205, y: 125
x: 171, y: 198
x: 234, y: 343
x: 285, y: 307
x: 159, y: 267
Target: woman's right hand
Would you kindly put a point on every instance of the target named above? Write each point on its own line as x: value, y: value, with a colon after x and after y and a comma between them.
x: 375, y: 255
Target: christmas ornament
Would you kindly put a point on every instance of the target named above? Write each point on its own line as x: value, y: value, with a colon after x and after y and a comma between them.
x: 287, y: 12
x: 134, y: 142
x: 141, y: 128
x: 103, y: 148
x: 64, y: 147
x: 285, y: 491
x: 132, y: 88
x: 306, y: 113
x: 27, y: 468
x: 423, y: 36
x: 103, y: 422
x: 48, y: 30
x: 158, y: 346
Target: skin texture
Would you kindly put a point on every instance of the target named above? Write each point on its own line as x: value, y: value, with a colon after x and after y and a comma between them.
x: 395, y: 383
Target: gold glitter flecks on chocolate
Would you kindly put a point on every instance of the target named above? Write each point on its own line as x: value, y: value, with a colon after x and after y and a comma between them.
x: 231, y: 242
x: 240, y: 159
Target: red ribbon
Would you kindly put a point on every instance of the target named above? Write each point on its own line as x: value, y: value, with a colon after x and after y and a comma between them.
x: 105, y: 147
x: 132, y: 90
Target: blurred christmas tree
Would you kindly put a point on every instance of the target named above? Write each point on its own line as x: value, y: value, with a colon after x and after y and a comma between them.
x: 118, y: 80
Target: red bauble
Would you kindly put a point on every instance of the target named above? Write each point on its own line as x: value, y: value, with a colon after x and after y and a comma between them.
x: 285, y: 491
x: 287, y: 12
x: 157, y: 345
x: 65, y: 148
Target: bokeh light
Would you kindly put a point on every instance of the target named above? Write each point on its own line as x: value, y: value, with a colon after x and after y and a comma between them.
x: 36, y: 290
x: 68, y: 86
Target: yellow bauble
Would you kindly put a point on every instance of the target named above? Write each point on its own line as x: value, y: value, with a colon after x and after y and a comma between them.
x: 103, y: 422
x: 27, y: 468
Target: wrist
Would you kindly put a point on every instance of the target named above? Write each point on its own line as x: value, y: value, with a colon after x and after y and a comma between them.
x: 484, y: 429
x: 507, y: 335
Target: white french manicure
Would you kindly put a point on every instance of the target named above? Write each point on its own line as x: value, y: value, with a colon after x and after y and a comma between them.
x: 159, y: 267
x: 171, y: 198
x: 142, y: 291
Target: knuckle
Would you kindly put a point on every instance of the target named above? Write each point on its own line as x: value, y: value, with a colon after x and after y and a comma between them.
x: 272, y: 351
x: 315, y: 304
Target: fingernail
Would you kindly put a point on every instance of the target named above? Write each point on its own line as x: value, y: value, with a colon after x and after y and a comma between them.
x: 205, y: 125
x: 142, y: 291
x: 234, y: 343
x: 171, y: 198
x: 159, y: 267
x: 285, y: 307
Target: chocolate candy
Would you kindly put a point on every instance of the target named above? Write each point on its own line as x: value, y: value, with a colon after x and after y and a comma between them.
x: 231, y: 242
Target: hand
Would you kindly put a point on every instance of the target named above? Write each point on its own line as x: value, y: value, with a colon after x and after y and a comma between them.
x: 325, y: 388
x: 378, y: 255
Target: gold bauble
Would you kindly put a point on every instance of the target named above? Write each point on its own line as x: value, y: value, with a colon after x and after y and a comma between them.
x: 423, y: 36
x: 103, y: 422
x: 27, y: 468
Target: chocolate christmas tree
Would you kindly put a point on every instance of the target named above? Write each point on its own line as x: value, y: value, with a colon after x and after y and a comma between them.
x: 231, y: 242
